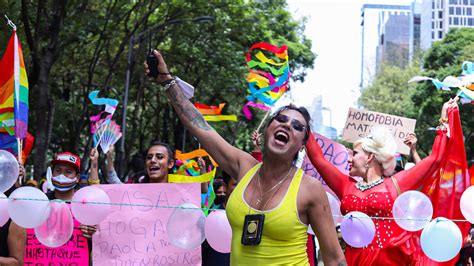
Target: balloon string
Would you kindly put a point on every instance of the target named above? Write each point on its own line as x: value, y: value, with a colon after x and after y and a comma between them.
x: 212, y: 209
x: 392, y: 218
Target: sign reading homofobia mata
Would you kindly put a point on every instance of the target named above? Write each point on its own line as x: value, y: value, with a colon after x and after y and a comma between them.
x: 360, y: 122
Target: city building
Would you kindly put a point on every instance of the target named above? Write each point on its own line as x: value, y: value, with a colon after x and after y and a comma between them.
x: 318, y: 123
x: 439, y: 16
x: 390, y: 35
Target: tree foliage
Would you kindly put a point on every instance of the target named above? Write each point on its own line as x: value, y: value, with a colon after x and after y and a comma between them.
x: 73, y: 47
x: 391, y: 94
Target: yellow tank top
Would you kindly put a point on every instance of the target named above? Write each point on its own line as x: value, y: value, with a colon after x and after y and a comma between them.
x: 284, y: 235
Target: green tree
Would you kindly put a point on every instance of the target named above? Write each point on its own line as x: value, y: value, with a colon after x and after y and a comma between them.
x: 389, y: 92
x: 73, y: 47
x: 445, y: 58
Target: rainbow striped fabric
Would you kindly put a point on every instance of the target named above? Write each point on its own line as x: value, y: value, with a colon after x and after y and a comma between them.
x: 13, y: 91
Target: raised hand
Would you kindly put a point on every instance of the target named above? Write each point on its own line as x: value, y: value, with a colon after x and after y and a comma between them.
x: 256, y: 140
x: 163, y: 73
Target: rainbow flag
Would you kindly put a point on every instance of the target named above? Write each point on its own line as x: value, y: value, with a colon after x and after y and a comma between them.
x: 13, y: 91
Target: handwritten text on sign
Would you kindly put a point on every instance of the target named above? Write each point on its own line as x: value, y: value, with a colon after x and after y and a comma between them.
x: 334, y: 152
x: 360, y: 122
x: 136, y: 235
x: 74, y: 253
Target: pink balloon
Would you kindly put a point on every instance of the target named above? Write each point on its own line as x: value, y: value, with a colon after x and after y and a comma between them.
x: 357, y: 229
x: 90, y: 205
x: 58, y: 228
x: 467, y: 204
x: 4, y: 216
x: 218, y: 231
x: 28, y: 207
x: 412, y: 210
x: 335, y: 206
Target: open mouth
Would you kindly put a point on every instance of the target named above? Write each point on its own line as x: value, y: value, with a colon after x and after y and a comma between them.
x: 154, y: 170
x: 281, y: 137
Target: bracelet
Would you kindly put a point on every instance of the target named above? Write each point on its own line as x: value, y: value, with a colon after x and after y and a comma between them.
x: 169, y: 85
x: 443, y: 120
x: 166, y: 82
x: 93, y: 181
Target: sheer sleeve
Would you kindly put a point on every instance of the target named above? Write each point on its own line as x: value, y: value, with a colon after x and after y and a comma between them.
x: 334, y: 178
x: 113, y: 177
x: 257, y: 155
x: 424, y: 170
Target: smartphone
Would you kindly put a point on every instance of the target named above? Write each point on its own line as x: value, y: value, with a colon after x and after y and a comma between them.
x: 152, y: 63
x: 253, y: 229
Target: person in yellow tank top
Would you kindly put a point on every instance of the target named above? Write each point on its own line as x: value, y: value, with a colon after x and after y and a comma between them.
x: 274, y: 202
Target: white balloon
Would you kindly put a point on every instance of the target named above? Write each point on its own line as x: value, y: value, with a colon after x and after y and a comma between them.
x: 467, y: 204
x: 4, y: 216
x: 185, y: 226
x: 441, y: 240
x: 9, y: 170
x: 31, y: 212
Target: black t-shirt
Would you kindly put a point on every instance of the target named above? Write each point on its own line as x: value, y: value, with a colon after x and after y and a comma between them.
x: 4, y: 252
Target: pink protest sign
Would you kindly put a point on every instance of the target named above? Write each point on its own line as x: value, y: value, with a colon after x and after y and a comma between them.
x: 137, y: 235
x: 334, y: 152
x: 74, y: 253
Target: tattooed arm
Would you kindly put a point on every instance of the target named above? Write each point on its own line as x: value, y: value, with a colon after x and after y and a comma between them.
x: 232, y: 160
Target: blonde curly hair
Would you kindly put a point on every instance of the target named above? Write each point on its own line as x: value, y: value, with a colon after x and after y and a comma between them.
x: 381, y: 143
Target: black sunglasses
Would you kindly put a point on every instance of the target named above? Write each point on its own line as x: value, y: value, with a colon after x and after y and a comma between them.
x: 297, y: 125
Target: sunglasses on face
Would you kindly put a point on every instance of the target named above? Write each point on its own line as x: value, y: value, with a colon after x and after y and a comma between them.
x: 297, y: 125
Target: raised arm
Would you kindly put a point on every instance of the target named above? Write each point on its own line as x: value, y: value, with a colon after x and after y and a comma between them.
x: 422, y: 171
x: 93, y: 178
x: 112, y: 176
x: 411, y: 141
x: 331, y: 175
x: 230, y: 159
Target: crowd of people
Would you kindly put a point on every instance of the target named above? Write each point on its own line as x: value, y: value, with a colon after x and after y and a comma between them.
x: 268, y: 200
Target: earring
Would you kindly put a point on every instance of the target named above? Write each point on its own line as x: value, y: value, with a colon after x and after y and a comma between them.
x: 366, y: 166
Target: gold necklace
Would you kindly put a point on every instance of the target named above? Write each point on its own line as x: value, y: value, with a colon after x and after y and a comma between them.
x: 260, y: 198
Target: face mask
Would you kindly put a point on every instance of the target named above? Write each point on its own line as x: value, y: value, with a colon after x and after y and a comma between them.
x: 219, y: 199
x: 63, y: 183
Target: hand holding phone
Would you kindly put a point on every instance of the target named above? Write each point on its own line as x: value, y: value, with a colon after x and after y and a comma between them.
x: 152, y: 63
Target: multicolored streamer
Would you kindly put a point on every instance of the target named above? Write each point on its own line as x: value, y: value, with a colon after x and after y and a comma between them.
x: 246, y: 109
x: 209, y: 110
x: 110, y: 107
x: 464, y: 83
x: 217, y: 118
x: 214, y: 113
x: 267, y: 79
x: 206, y: 199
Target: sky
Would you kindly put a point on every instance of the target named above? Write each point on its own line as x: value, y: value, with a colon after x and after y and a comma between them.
x: 335, y: 31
